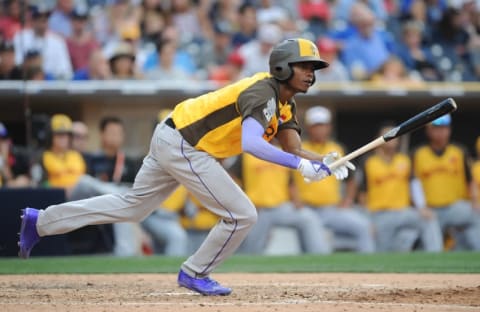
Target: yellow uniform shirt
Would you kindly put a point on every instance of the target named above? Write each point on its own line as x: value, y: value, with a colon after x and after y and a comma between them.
x: 176, y: 201
x: 265, y: 183
x: 320, y: 193
x: 387, y: 183
x: 63, y: 170
x: 476, y: 175
x: 443, y: 177
x: 212, y: 122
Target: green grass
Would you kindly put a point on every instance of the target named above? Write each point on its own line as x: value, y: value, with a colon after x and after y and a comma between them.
x: 455, y: 262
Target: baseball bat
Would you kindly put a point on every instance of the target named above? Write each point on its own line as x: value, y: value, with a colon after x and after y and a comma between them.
x: 421, y: 119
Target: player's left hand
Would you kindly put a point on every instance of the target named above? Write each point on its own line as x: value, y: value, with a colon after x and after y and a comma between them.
x: 341, y: 172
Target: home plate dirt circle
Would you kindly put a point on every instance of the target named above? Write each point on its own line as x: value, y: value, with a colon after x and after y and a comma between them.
x: 252, y: 292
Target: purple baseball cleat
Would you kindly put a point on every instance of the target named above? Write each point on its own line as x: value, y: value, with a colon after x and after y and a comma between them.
x: 28, y: 232
x: 205, y: 286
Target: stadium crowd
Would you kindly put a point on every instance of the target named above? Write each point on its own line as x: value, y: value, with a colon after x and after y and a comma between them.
x: 428, y: 199
x: 403, y: 41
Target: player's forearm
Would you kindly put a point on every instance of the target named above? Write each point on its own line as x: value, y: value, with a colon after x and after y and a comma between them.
x: 253, y: 143
x: 291, y: 143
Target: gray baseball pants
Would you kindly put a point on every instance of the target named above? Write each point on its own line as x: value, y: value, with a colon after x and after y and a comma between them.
x: 170, y: 161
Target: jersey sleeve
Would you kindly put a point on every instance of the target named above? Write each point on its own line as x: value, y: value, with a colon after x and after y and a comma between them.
x: 288, y: 115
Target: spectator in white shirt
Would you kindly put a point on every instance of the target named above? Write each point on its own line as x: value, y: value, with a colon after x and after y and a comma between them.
x: 52, y: 47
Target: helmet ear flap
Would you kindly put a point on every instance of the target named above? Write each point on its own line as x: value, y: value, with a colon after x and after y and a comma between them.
x: 284, y: 72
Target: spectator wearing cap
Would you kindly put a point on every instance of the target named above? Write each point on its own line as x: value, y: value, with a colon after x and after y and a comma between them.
x: 228, y: 72
x: 351, y: 229
x: 316, y: 13
x: 10, y: 21
x: 51, y: 47
x: 442, y: 185
x: 60, y: 19
x: 14, y: 162
x: 256, y: 53
x: 122, y: 62
x: 336, y: 71
x: 8, y: 69
x: 81, y: 43
x: 247, y: 25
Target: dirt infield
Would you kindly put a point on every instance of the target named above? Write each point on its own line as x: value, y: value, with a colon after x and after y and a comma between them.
x: 252, y: 292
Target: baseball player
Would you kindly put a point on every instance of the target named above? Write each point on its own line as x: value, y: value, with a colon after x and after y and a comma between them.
x: 443, y: 177
x: 243, y: 116
x: 386, y: 178
x: 476, y: 178
x: 275, y: 209
x: 351, y: 229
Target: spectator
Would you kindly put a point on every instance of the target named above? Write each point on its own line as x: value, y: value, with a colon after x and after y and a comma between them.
x: 229, y: 72
x: 167, y: 70
x: 394, y: 74
x: 317, y: 14
x: 343, y: 9
x: 385, y: 181
x: 216, y: 51
x: 351, y: 229
x: 14, y: 162
x: 190, y: 19
x: 122, y: 62
x: 453, y: 38
x: 275, y: 209
x: 271, y: 13
x: 443, y: 174
x: 365, y: 51
x: 52, y: 47
x: 32, y: 67
x: 80, y: 137
x: 417, y: 14
x: 8, y: 69
x: 256, y: 52
x: 414, y: 55
x: 247, y: 25
x: 80, y: 43
x: 98, y: 68
x: 335, y: 71
x: 10, y: 22
x: 60, y: 21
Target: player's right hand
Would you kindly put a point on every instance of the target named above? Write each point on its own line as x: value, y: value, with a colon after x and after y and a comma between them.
x: 313, y: 170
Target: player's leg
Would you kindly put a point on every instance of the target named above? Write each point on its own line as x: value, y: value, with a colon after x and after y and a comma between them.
x: 352, y: 223
x: 385, y: 229
x: 461, y: 216
x: 312, y: 233
x: 152, y: 185
x: 431, y: 234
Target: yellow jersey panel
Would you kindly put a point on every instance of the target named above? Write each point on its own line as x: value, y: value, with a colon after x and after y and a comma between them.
x: 388, y: 183
x: 63, y: 170
x: 443, y: 176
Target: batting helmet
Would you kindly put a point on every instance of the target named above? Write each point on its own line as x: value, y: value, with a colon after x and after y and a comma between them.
x: 293, y: 51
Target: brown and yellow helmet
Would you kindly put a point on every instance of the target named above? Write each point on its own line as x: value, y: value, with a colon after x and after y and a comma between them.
x: 292, y: 51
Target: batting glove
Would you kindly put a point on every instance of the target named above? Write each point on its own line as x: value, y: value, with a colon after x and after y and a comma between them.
x: 313, y: 170
x: 340, y: 172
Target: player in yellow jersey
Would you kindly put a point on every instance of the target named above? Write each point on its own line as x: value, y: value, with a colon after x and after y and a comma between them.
x: 476, y: 179
x: 351, y: 229
x: 386, y: 176
x: 267, y: 186
x: 443, y: 174
x: 243, y: 116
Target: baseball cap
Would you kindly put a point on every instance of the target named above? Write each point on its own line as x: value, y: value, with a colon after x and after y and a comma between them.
x: 270, y: 34
x: 61, y: 123
x: 3, y: 131
x: 445, y: 120
x: 317, y: 115
x: 326, y: 45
